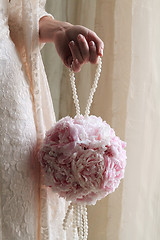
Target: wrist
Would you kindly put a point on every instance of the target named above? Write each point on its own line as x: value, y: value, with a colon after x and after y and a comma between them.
x: 49, y: 28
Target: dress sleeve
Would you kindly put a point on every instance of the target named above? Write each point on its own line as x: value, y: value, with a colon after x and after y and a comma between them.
x: 22, y: 19
x: 42, y: 11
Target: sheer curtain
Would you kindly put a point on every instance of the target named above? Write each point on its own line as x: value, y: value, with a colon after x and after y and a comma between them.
x: 128, y: 98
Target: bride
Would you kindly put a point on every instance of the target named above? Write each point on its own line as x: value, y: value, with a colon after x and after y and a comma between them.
x: 28, y: 210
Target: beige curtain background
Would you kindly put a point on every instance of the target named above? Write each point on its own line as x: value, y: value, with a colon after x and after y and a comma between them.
x: 128, y: 98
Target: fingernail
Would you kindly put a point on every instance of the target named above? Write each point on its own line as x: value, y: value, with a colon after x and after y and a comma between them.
x: 101, y: 51
x: 80, y: 36
x: 91, y: 44
x: 71, y: 43
x: 76, y: 61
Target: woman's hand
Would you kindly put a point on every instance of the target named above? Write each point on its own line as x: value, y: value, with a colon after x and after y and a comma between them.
x: 74, y: 43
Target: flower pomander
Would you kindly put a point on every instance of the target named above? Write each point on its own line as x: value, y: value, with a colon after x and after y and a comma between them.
x: 82, y: 159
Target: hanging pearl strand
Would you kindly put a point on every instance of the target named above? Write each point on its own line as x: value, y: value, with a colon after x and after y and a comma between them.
x: 85, y: 219
x: 79, y: 222
x: 75, y: 222
x: 81, y: 227
x: 92, y: 91
x: 65, y: 220
x: 74, y: 91
x: 94, y: 87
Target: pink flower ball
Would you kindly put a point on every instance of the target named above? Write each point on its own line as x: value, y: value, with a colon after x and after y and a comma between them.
x: 82, y: 159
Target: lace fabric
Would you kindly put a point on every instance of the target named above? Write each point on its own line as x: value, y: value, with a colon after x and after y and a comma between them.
x: 28, y: 210
x: 17, y: 138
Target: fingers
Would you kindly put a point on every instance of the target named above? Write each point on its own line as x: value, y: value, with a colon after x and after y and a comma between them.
x: 83, y: 47
x: 83, y: 52
x: 75, y: 52
x: 77, y: 59
x: 99, y: 43
x: 93, y: 52
x: 76, y: 66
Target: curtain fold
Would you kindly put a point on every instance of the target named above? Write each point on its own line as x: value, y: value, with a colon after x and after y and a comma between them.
x: 128, y: 98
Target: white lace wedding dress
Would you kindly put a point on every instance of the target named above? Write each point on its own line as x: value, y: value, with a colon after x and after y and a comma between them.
x: 19, y: 198
x: 28, y: 211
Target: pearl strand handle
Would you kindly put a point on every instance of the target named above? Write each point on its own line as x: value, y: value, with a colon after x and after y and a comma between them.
x: 92, y: 91
x: 74, y: 91
x: 94, y: 87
